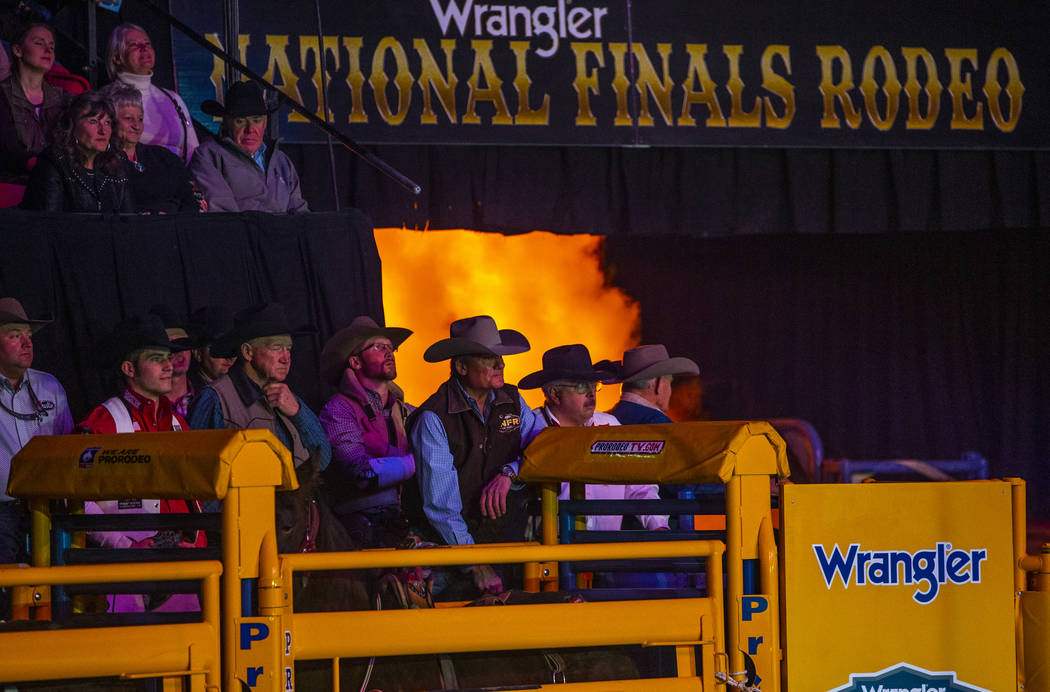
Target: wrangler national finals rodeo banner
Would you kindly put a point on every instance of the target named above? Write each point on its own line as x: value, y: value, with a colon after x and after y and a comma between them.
x: 813, y: 73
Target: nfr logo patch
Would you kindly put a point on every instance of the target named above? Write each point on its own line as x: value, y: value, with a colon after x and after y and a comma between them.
x: 87, y: 457
x: 904, y: 677
x: 509, y: 422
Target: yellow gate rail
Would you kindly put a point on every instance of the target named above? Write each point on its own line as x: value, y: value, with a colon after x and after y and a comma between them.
x: 132, y: 651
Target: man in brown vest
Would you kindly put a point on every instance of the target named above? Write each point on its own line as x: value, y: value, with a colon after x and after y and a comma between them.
x: 253, y: 393
x: 467, y: 438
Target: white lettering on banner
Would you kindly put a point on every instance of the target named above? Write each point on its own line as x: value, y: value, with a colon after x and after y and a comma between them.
x: 929, y: 569
x: 554, y: 22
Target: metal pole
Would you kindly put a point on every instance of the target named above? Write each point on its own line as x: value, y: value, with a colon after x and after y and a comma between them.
x: 92, y: 47
x: 232, y: 17
x: 322, y: 98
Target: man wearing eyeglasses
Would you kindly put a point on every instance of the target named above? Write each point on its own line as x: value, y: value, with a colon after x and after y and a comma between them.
x: 467, y: 438
x: 365, y: 423
x: 570, y: 383
x: 31, y: 403
x: 253, y: 393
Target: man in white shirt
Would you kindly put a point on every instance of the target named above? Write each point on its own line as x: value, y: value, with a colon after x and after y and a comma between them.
x: 130, y: 59
x: 570, y: 382
x: 31, y: 403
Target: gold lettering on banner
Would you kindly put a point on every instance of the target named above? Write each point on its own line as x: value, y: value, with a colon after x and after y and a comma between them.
x: 279, y: 71
x: 492, y: 91
x: 738, y: 117
x: 933, y: 89
x: 992, y: 89
x: 355, y: 79
x: 891, y: 89
x: 706, y: 96
x: 431, y: 78
x: 961, y: 89
x: 586, y: 81
x: 620, y: 83
x: 832, y: 91
x: 649, y: 81
x: 218, y: 70
x: 308, y: 45
x: 778, y: 85
x: 402, y: 80
x: 526, y: 115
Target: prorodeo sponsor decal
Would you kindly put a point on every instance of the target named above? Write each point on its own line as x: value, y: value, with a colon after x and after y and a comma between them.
x: 904, y: 677
x: 927, y: 569
x: 92, y: 456
x: 628, y: 447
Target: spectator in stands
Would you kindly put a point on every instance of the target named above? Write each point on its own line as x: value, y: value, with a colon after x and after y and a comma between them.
x: 181, y: 390
x: 570, y: 382
x: 79, y: 171
x: 31, y: 403
x: 646, y: 390
x: 467, y: 439
x: 207, y: 325
x: 29, y: 106
x: 365, y: 423
x: 159, y: 180
x: 243, y: 170
x: 253, y: 393
x: 130, y: 59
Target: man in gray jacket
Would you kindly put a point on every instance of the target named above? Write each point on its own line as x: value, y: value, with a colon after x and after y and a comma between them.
x: 242, y: 170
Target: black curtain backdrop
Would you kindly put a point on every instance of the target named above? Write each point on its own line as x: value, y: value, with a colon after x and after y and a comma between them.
x: 89, y: 273
x: 688, y: 191
x: 893, y: 345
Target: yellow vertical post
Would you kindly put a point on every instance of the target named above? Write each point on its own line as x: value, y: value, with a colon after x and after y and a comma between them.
x: 549, y: 528
x: 40, y: 531
x: 1019, y: 511
x: 231, y: 586
x: 734, y: 572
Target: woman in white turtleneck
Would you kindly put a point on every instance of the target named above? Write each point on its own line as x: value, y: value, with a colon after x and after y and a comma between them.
x: 130, y: 59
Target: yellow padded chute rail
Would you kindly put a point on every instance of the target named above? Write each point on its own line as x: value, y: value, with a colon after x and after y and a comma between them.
x: 693, y: 452
x: 167, y: 465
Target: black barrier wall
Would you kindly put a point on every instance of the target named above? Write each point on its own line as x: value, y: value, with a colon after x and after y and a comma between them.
x: 89, y: 272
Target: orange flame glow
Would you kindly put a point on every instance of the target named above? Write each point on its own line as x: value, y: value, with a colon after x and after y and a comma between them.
x: 551, y: 288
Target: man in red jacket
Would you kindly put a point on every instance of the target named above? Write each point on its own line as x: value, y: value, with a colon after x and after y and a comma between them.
x: 141, y: 347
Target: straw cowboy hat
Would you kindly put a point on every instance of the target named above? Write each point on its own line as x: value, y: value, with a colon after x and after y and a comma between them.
x: 348, y: 342
x: 572, y: 362
x: 12, y: 312
x: 647, y: 362
x: 243, y: 99
x: 476, y: 336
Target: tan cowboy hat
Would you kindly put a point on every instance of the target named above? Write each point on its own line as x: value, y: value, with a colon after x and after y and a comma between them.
x: 646, y: 362
x: 476, y: 336
x: 11, y: 311
x: 349, y: 340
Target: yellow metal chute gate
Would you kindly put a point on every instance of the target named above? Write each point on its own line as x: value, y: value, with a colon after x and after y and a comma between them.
x: 742, y: 455
x: 242, y: 468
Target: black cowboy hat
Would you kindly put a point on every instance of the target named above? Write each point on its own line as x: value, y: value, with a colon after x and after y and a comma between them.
x: 572, y: 362
x: 209, y: 323
x: 264, y: 319
x: 349, y: 340
x: 134, y: 333
x: 242, y: 99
